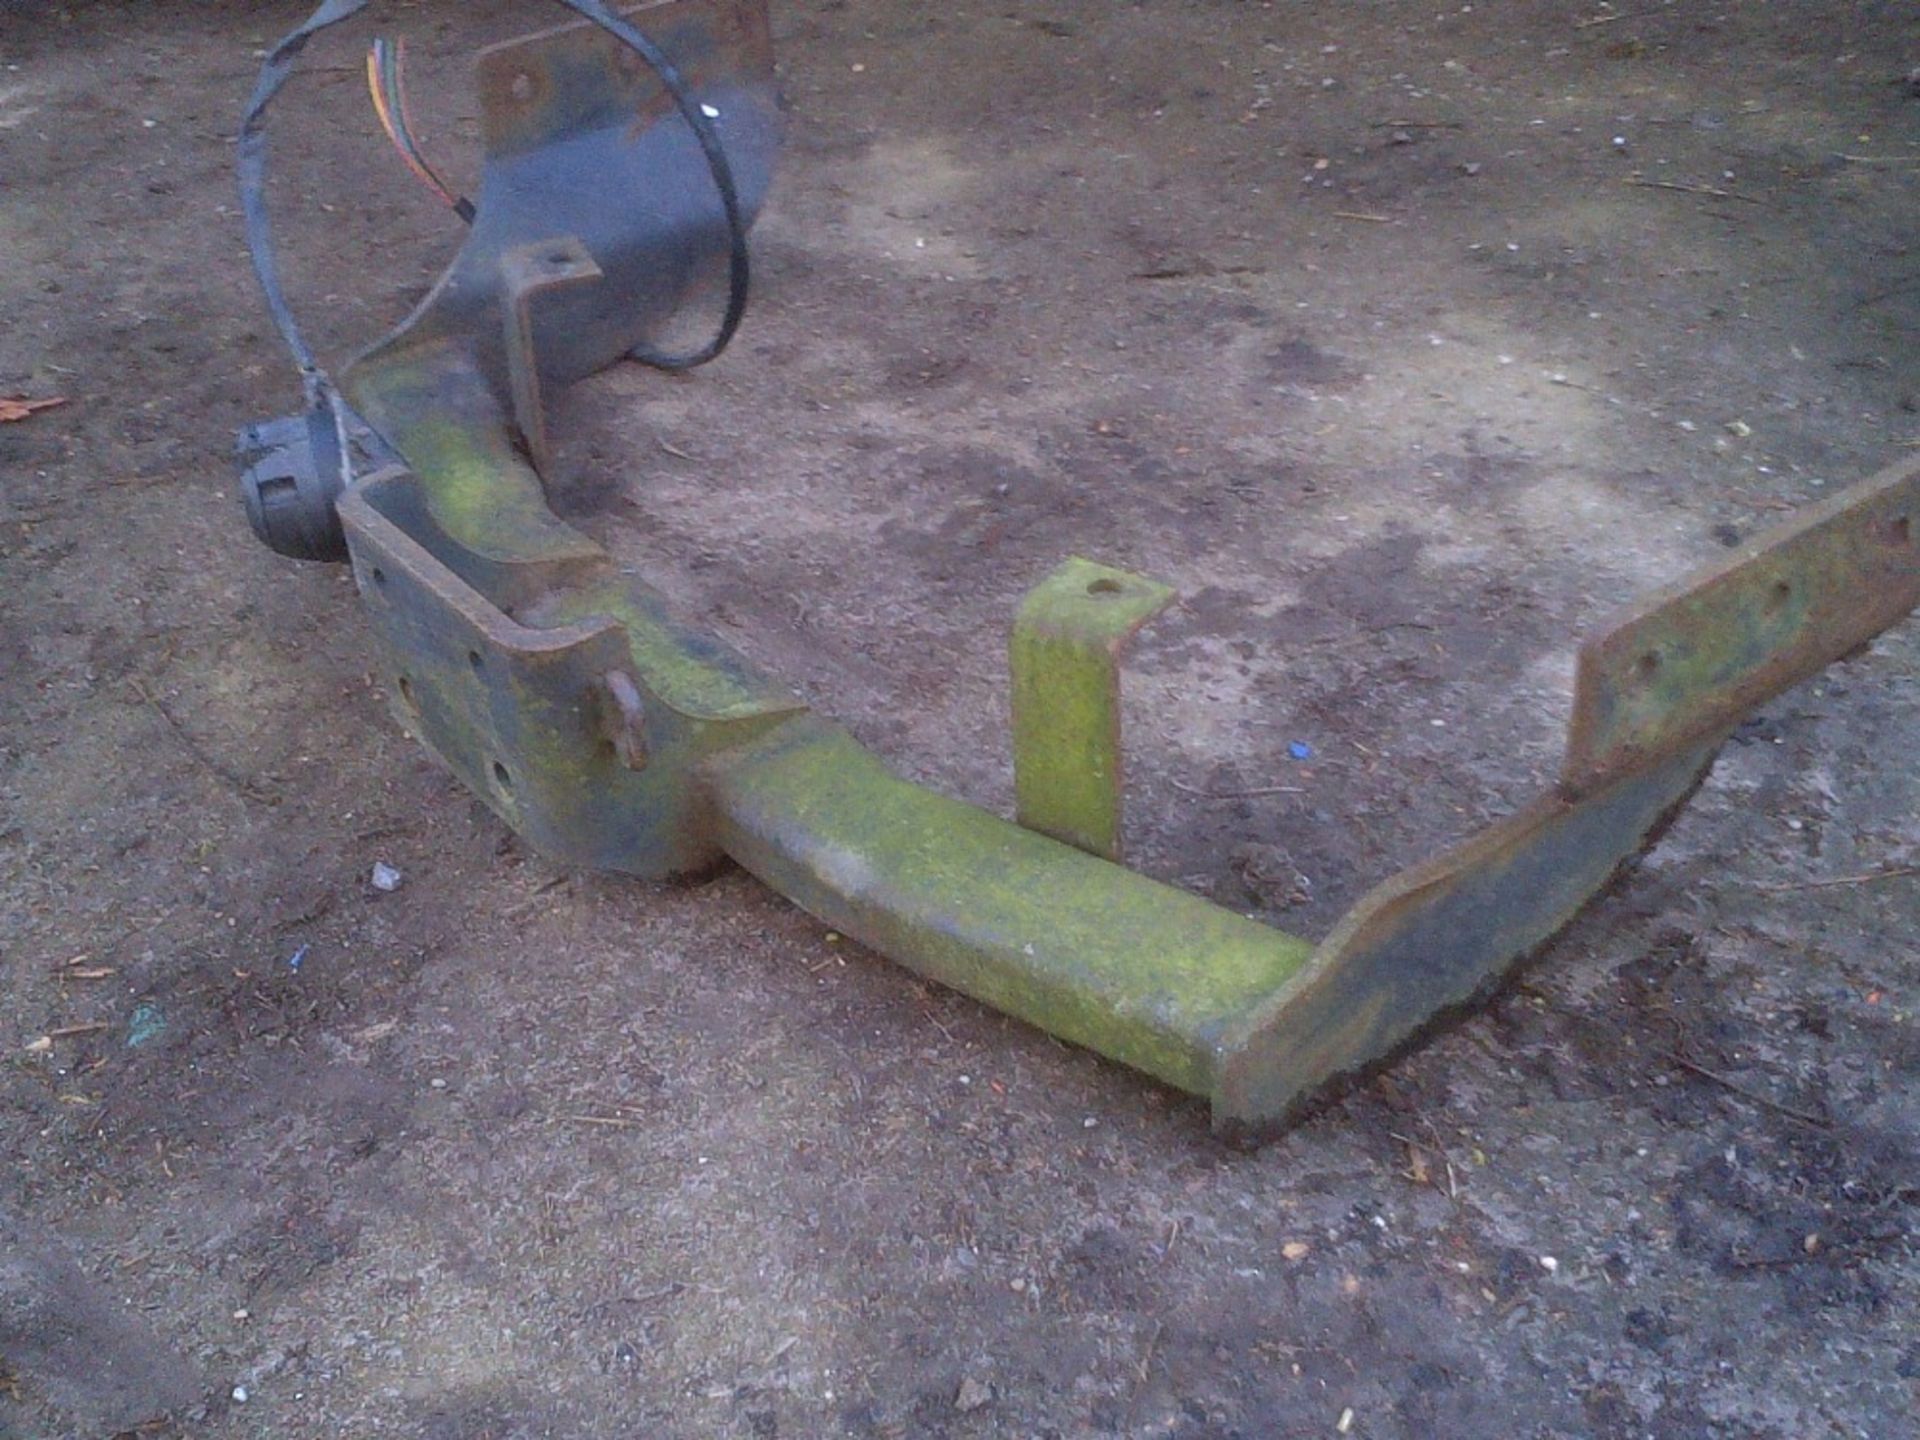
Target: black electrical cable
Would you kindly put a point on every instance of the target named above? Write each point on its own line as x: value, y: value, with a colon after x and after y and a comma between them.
x: 738, y: 274
x: 251, y: 168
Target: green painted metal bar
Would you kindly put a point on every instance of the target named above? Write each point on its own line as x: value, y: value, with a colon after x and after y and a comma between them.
x: 1099, y: 955
x: 1065, y: 653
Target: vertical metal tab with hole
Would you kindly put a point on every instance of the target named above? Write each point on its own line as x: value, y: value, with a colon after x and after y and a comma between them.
x: 1067, y: 642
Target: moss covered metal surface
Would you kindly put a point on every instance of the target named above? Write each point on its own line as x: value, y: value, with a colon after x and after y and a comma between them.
x: 1693, y: 659
x: 1067, y: 760
x: 1097, y: 954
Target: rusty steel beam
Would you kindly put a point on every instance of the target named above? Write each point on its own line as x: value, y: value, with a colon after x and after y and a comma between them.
x: 614, y: 734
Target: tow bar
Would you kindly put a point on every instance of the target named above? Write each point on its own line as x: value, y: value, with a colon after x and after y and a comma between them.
x: 621, y: 166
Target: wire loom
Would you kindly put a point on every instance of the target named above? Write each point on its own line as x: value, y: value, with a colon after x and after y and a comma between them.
x: 384, y: 77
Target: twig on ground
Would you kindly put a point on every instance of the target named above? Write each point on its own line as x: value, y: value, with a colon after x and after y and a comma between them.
x: 1822, y: 1253
x: 1239, y: 794
x: 1864, y: 879
x: 254, y: 791
x: 1453, y: 1190
x: 1593, y: 20
x: 665, y: 1292
x: 527, y: 904
x: 68, y: 1031
x: 1899, y: 287
x: 1694, y: 1067
x: 1146, y: 1360
x: 1715, y: 191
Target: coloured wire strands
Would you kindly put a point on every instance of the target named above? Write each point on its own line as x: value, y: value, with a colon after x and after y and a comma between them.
x: 386, y: 83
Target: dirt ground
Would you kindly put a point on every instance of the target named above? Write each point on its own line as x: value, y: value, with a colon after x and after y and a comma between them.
x: 1344, y: 319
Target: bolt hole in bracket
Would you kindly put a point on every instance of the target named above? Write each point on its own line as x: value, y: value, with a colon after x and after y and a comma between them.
x: 613, y: 734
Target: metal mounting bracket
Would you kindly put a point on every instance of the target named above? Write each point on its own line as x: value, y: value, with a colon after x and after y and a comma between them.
x: 1067, y: 642
x: 527, y: 271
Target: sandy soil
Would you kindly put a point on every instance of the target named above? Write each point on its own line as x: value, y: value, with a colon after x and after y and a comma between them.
x: 1344, y: 319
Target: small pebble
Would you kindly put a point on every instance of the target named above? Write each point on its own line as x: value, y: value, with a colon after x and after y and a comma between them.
x: 437, y: 1083
x: 1549, y: 1264
x: 385, y: 877
x: 239, y: 1394
x: 972, y: 1395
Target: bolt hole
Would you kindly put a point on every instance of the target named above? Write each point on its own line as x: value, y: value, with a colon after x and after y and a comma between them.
x: 473, y: 659
x: 1778, y: 596
x: 501, y: 776
x: 1901, y: 529
x: 1105, y: 587
x: 379, y: 575
x: 1648, y: 665
x: 406, y: 693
